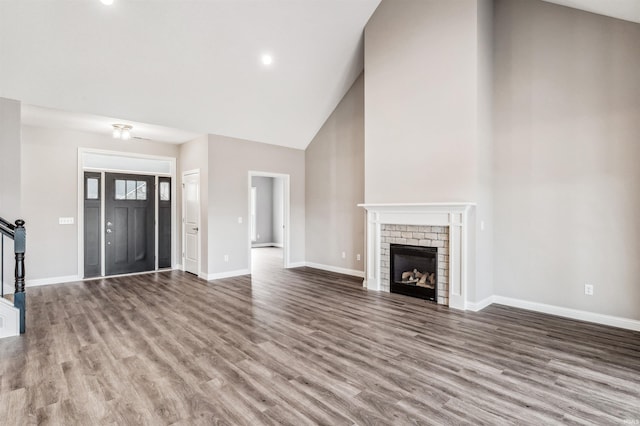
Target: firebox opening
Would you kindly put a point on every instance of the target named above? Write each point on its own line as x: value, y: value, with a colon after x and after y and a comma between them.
x: 414, y: 271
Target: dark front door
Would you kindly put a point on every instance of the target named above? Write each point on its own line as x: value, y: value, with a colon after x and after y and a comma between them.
x: 129, y: 223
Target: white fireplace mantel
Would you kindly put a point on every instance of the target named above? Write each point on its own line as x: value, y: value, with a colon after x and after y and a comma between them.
x: 453, y: 215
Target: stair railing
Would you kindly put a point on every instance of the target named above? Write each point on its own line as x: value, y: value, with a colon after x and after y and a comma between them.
x: 18, y: 234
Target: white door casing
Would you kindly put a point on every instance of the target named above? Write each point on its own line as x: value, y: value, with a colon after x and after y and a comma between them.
x: 103, y: 161
x: 191, y: 222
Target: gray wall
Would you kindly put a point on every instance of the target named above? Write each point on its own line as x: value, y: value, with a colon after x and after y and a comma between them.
x: 483, y: 214
x: 278, y: 211
x: 10, y: 155
x: 195, y: 155
x: 567, y: 127
x: 428, y: 135
x: 335, y: 185
x: 10, y: 178
x: 230, y: 161
x: 264, y: 208
x: 50, y: 190
x: 421, y: 102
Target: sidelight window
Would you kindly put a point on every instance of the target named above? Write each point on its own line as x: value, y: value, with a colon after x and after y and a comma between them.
x: 165, y: 191
x: 93, y: 191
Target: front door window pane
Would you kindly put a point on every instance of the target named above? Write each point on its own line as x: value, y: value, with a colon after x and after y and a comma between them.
x: 141, y: 190
x: 121, y: 190
x: 131, y: 190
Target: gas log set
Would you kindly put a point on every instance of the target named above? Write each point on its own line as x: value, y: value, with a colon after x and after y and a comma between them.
x: 418, y: 278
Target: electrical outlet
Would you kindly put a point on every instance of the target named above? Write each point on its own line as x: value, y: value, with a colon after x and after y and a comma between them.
x: 257, y: 236
x: 239, y: 219
x: 226, y: 257
x: 588, y: 289
x: 357, y: 256
x: 344, y: 254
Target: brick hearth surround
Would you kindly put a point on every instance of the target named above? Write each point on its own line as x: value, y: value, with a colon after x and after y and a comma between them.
x: 415, y: 235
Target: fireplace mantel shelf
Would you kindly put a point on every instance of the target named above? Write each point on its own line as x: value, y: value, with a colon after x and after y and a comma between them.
x: 385, y: 205
x: 417, y: 207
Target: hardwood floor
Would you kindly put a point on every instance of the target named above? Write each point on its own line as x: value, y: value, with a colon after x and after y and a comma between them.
x: 303, y: 347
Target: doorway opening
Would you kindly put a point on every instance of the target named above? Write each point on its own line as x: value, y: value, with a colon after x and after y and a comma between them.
x: 126, y: 213
x: 268, y: 220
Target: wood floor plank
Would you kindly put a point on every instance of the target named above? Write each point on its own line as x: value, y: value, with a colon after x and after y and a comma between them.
x: 303, y: 346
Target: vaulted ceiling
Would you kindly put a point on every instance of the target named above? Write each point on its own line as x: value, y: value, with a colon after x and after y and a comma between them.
x: 195, y: 65
x: 628, y: 10
x: 192, y: 65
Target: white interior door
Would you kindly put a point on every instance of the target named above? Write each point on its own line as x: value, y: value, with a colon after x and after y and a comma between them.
x: 191, y: 222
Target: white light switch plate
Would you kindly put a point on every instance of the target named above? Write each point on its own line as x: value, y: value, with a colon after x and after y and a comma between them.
x: 65, y: 221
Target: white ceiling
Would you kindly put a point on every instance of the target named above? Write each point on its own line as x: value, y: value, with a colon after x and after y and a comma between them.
x: 192, y: 65
x: 628, y: 10
x: 56, y: 119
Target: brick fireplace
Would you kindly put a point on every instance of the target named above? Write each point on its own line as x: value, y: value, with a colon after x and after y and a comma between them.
x: 443, y: 226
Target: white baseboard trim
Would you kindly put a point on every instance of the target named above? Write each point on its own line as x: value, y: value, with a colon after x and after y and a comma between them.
x: 260, y: 245
x: 296, y: 265
x: 627, y: 323
x: 72, y: 278
x: 228, y: 274
x: 339, y: 270
x: 178, y: 267
x: 478, y: 306
x: 53, y: 280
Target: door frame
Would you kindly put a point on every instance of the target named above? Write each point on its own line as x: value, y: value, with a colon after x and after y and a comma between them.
x: 80, y: 202
x: 286, y: 196
x: 183, y: 223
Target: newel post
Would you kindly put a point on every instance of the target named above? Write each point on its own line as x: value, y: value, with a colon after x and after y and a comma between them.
x: 19, y: 244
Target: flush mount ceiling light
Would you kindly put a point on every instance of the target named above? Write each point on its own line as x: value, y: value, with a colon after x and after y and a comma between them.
x: 106, y: 2
x: 122, y: 131
x: 267, y: 59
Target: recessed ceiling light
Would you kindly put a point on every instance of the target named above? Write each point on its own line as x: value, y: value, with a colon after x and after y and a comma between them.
x: 107, y: 2
x: 267, y: 59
